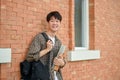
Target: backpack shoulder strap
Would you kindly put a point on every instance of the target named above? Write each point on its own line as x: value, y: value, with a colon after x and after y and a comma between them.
x: 45, y: 36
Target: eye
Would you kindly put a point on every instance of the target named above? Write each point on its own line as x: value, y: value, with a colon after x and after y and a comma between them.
x: 57, y: 20
x: 51, y: 21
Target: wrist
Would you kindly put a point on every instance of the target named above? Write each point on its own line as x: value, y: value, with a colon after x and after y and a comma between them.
x: 47, y: 50
x: 43, y: 52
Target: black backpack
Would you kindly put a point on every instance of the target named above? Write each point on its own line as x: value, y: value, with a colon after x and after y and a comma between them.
x: 34, y: 70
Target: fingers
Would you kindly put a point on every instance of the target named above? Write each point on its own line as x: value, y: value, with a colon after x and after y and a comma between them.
x: 49, y: 41
x: 49, y: 45
x: 58, y: 61
x: 60, y: 56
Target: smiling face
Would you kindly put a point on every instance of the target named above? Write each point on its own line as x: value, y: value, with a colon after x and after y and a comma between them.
x: 54, y: 24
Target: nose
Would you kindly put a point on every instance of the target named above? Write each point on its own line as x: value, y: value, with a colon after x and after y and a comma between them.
x: 54, y: 22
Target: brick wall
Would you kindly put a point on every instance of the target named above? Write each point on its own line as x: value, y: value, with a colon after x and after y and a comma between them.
x: 107, y: 38
x: 21, y: 20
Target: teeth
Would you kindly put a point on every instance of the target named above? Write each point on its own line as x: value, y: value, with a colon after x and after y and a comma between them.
x: 54, y: 26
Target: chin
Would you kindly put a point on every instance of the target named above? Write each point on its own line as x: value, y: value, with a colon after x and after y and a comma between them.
x: 54, y: 30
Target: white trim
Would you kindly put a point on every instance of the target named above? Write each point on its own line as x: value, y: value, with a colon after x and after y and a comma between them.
x: 79, y: 55
x: 5, y: 55
x: 81, y: 48
x: 86, y: 22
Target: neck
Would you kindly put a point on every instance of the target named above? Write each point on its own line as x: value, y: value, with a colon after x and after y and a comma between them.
x: 52, y: 34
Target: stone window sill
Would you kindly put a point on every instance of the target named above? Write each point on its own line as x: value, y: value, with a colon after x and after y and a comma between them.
x: 5, y: 55
x: 79, y: 55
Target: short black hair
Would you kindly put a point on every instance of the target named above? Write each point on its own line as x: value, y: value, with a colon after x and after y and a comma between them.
x: 55, y: 14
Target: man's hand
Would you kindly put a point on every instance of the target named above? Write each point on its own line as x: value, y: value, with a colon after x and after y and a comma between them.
x: 49, y: 45
x: 59, y: 61
x: 49, y: 48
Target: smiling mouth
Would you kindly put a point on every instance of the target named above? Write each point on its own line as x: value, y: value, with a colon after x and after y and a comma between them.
x: 54, y: 26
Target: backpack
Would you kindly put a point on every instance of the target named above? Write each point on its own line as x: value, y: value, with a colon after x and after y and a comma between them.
x: 34, y: 70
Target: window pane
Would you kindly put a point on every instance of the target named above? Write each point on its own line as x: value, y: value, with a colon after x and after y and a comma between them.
x: 81, y: 18
x: 78, y: 23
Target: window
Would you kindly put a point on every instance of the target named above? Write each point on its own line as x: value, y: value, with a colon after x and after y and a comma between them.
x: 81, y: 23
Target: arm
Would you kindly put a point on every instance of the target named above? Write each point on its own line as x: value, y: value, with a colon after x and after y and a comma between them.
x: 45, y: 51
x: 35, y: 51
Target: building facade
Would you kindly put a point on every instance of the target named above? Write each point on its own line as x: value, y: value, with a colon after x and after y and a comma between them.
x: 21, y: 20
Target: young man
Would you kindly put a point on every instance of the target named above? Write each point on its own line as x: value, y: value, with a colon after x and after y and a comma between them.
x: 47, y: 52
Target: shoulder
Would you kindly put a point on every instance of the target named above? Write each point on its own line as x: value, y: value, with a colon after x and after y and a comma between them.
x: 38, y: 37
